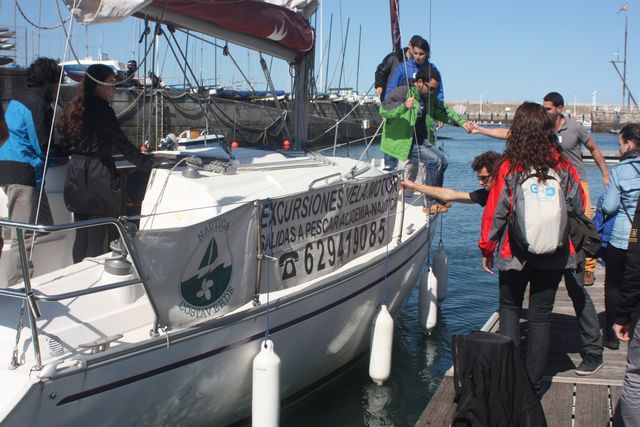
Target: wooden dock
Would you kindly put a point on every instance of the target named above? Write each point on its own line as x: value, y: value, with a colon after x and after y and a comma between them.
x: 570, y: 400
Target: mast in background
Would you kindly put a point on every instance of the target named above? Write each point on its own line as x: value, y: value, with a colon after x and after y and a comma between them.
x: 326, y: 74
x: 623, y: 74
x: 624, y: 66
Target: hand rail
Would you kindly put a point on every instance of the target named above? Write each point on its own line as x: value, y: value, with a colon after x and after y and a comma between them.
x: 40, y: 296
x: 31, y: 296
x: 324, y: 178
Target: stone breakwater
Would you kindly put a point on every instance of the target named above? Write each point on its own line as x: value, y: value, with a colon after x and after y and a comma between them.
x: 603, y: 117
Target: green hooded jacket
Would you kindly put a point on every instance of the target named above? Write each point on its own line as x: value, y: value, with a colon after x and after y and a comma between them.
x: 397, y: 133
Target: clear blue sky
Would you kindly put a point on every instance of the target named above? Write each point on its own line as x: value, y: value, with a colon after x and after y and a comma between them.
x: 500, y: 50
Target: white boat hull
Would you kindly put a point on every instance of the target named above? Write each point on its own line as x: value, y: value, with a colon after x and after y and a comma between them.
x: 202, y: 375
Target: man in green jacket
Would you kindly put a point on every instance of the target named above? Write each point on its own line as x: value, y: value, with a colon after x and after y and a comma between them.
x: 409, y: 128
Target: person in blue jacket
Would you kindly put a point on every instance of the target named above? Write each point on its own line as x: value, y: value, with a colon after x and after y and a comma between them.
x: 29, y: 119
x: 621, y: 198
x: 404, y: 74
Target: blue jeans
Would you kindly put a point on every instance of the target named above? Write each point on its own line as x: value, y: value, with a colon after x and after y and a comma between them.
x: 585, y: 312
x: 434, y: 161
x: 390, y: 162
x: 544, y: 284
x: 630, y: 398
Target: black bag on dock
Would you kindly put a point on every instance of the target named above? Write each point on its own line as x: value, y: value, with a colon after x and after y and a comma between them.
x: 584, y: 235
x: 492, y: 387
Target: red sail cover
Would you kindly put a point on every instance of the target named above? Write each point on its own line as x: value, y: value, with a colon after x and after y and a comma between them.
x: 394, y: 9
x: 252, y: 17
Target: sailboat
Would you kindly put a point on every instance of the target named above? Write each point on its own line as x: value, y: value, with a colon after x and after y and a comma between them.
x: 75, y: 69
x: 231, y: 247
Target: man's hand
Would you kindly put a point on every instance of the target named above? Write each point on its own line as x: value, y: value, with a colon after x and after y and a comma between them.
x: 487, y: 263
x: 605, y: 180
x: 622, y: 332
x: 378, y: 91
x: 409, y: 185
x: 409, y: 103
x: 469, y: 126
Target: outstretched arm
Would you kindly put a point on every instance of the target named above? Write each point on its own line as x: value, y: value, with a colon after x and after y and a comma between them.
x: 498, y: 133
x: 442, y: 193
x: 599, y: 159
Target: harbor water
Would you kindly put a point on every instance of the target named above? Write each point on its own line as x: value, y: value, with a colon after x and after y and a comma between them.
x: 420, y: 360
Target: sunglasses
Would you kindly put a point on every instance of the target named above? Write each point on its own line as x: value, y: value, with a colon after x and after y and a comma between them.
x: 483, y: 178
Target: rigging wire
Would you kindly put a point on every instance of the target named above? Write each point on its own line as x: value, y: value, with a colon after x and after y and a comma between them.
x: 75, y: 55
x: 42, y: 27
x: 50, y: 138
x: 267, y: 332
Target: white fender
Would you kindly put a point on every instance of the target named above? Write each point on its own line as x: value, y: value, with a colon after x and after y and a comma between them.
x: 265, y: 395
x: 441, y: 271
x: 381, y: 346
x: 428, y: 300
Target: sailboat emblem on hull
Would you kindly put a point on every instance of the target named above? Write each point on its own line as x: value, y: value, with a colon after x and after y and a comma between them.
x: 211, y: 280
x: 278, y: 33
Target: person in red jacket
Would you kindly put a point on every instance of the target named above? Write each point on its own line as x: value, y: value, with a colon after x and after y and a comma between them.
x: 531, y: 147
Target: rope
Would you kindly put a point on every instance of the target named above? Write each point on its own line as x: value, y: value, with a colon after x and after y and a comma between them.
x: 386, y: 253
x: 75, y: 55
x: 360, y: 102
x: 355, y: 140
x: 130, y: 106
x: 267, y: 332
x: 40, y: 27
x: 50, y: 138
x: 14, y: 357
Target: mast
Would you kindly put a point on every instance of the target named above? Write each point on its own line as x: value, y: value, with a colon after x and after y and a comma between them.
x: 320, y: 75
x: 303, y: 72
x: 344, y: 51
x: 624, y: 65
x: 358, y: 66
x: 326, y: 74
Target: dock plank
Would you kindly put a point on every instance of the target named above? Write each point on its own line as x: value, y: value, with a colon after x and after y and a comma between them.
x: 557, y: 404
x: 592, y: 405
x: 440, y: 410
x: 597, y: 396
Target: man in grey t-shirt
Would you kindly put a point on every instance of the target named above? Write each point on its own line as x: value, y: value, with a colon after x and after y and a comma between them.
x: 572, y: 135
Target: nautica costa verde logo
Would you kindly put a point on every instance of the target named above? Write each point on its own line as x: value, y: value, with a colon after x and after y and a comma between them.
x: 205, y: 285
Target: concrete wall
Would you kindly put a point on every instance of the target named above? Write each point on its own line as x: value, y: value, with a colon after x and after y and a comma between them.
x: 603, y: 116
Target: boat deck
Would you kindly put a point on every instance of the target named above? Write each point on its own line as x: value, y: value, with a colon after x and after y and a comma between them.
x: 570, y: 400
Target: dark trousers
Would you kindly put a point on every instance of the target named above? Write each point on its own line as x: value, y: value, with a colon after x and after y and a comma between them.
x: 613, y: 276
x: 542, y: 294
x: 90, y: 241
x: 586, y: 314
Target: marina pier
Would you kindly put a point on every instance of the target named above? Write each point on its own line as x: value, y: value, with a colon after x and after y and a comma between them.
x: 569, y: 399
x: 603, y: 117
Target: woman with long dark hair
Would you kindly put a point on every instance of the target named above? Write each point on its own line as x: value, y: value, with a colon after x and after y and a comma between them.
x: 92, y: 184
x: 532, y: 150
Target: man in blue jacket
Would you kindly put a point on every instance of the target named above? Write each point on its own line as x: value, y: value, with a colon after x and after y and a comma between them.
x: 29, y: 117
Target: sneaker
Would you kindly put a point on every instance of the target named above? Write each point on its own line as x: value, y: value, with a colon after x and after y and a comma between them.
x: 589, y: 366
x: 589, y: 278
x: 611, y: 343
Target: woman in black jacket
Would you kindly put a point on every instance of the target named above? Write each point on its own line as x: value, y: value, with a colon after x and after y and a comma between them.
x: 92, y: 184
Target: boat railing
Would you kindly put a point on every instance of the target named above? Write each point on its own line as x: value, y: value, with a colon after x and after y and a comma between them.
x: 32, y: 296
